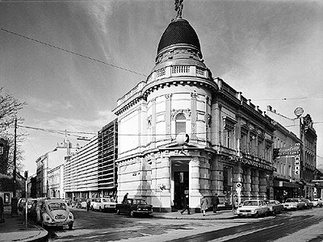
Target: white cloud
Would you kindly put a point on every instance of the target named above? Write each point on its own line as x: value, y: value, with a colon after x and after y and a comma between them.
x: 47, y: 106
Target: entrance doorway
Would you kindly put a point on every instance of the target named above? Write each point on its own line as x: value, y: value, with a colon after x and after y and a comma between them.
x: 181, y: 182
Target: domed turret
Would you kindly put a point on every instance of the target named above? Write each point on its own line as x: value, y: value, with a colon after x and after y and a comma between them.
x: 179, y: 32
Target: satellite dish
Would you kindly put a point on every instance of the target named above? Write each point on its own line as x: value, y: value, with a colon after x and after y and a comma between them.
x: 298, y: 112
x: 182, y: 138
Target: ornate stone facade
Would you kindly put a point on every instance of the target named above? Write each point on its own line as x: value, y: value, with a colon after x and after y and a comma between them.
x: 230, y: 139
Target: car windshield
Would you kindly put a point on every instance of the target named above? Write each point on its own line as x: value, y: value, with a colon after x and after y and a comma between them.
x: 108, y: 199
x: 250, y: 203
x: 56, y: 206
x: 139, y: 202
x: 292, y: 200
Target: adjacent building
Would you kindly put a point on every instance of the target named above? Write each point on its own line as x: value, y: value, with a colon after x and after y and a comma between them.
x: 287, y: 163
x: 45, y: 186
x: 81, y: 172
x: 91, y: 171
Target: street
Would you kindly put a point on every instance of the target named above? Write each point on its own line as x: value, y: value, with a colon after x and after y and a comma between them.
x: 303, y: 225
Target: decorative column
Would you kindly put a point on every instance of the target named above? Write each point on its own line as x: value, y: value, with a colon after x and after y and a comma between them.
x: 193, y: 116
x: 262, y: 185
x: 248, y: 183
x: 160, y: 176
x: 255, y: 183
x: 153, y: 122
x: 168, y: 115
x: 194, y: 183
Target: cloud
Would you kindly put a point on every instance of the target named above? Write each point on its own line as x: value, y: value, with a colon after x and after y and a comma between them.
x: 47, y: 106
x: 100, y: 12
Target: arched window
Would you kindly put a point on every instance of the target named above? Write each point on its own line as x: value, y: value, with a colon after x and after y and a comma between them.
x: 180, y: 123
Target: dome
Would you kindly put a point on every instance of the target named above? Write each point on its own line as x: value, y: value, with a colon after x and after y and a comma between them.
x: 179, y: 32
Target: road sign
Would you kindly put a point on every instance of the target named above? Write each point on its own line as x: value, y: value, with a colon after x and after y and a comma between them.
x: 238, y: 185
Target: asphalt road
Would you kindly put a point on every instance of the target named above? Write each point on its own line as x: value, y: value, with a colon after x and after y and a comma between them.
x: 304, y: 225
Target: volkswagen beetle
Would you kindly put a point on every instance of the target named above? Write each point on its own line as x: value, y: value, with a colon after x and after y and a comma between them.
x: 54, y: 213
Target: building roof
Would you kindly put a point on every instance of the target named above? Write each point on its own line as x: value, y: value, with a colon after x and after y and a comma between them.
x: 179, y: 31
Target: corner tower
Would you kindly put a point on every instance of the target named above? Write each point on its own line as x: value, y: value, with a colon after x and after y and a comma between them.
x: 168, y: 119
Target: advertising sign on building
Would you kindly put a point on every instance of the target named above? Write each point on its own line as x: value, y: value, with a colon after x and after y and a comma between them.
x: 297, y: 165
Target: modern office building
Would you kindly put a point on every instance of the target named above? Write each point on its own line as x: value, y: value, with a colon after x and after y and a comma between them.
x: 91, y: 171
x: 81, y: 172
x: 108, y: 153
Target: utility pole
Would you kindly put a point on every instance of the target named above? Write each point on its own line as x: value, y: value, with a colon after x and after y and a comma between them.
x: 14, y: 199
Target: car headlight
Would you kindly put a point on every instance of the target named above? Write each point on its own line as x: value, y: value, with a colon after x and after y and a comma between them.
x: 47, y: 218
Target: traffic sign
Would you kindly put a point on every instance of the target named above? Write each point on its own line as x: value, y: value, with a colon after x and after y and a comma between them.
x: 238, y: 185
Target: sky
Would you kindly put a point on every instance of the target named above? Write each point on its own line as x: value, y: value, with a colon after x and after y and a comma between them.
x: 271, y: 51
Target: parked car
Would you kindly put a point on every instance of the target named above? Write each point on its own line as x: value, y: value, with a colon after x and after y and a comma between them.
x: 293, y: 204
x: 104, y: 204
x: 134, y: 206
x: 308, y: 203
x: 54, y: 213
x: 253, y: 208
x: 275, y: 206
x: 317, y: 202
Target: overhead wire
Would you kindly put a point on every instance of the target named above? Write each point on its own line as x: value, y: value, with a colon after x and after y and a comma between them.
x: 71, y: 52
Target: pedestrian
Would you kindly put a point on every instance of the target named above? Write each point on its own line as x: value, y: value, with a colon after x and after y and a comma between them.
x: 125, y: 198
x: 1, y: 210
x: 215, y: 202
x: 235, y: 204
x: 186, y: 205
x: 88, y: 204
x: 204, y: 205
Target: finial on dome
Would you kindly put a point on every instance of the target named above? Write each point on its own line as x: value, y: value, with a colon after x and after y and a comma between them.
x: 178, y: 9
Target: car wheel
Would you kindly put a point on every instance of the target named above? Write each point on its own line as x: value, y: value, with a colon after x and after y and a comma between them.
x: 70, y: 226
x: 256, y: 215
x: 100, y: 209
x: 118, y: 211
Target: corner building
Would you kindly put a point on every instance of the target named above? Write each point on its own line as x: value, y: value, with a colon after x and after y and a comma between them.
x: 181, y: 132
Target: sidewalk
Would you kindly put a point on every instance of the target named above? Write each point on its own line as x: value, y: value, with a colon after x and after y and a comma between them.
x: 14, y: 229
x: 222, y: 214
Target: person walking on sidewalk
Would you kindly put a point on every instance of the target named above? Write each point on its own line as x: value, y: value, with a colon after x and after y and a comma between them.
x: 88, y: 204
x: 186, y: 205
x: 204, y: 205
x: 1, y: 210
x: 215, y: 202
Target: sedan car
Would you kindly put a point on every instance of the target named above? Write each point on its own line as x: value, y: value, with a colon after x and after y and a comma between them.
x: 253, y: 208
x: 293, y: 204
x: 134, y: 206
x: 275, y: 206
x: 54, y: 213
x: 308, y: 203
x: 317, y: 202
x: 104, y: 204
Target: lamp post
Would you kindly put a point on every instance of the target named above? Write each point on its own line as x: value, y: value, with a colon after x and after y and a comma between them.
x: 14, y: 199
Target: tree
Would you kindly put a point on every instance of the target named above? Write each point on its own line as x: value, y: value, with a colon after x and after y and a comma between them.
x: 9, y: 108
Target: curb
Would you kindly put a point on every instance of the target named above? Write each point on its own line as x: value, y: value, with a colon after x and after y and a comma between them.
x: 42, y: 235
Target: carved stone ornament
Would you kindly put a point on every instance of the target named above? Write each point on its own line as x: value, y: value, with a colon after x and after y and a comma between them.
x: 186, y: 112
